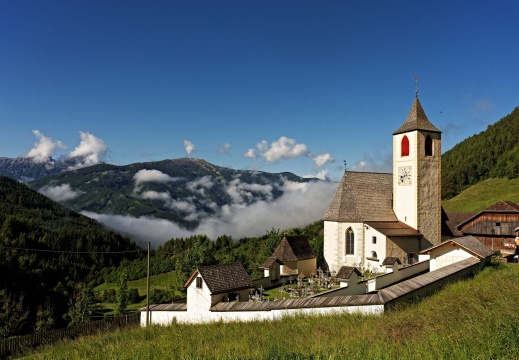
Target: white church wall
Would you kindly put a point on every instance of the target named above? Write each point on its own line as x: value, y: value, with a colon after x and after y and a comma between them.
x: 335, y: 244
x: 377, y: 245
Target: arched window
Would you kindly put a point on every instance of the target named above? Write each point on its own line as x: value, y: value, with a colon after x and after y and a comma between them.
x: 350, y: 242
x: 428, y: 146
x: 404, y: 146
x: 374, y: 255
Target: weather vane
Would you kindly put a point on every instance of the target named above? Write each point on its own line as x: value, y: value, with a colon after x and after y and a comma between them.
x: 416, y: 85
x: 344, y: 165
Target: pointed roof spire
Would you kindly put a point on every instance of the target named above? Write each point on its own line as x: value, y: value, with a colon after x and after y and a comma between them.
x: 416, y: 120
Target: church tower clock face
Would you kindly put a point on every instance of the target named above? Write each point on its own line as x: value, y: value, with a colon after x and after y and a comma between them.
x: 404, y: 175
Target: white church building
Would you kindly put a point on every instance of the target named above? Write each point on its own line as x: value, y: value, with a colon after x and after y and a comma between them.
x: 376, y: 215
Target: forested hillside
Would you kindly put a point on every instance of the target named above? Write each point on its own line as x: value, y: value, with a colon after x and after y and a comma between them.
x: 46, y: 253
x: 493, y: 153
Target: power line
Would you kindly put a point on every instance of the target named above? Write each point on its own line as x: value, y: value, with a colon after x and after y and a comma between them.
x: 73, y: 252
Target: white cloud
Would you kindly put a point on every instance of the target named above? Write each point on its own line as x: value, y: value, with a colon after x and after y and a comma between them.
x: 155, y: 195
x: 225, y: 148
x: 322, y: 175
x: 157, y: 176
x: 90, y: 151
x: 322, y: 159
x: 204, y: 182
x: 189, y: 147
x: 301, y: 204
x: 44, y: 148
x: 59, y: 193
x: 250, y: 154
x: 283, y: 148
x: 241, y: 192
x: 184, y: 206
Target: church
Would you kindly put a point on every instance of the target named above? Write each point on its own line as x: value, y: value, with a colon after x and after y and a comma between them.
x: 374, y: 216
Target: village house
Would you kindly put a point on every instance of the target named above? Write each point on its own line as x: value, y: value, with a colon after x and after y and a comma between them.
x: 293, y: 256
x: 493, y: 226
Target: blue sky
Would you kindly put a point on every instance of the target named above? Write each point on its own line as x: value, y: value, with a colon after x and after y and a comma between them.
x: 277, y: 86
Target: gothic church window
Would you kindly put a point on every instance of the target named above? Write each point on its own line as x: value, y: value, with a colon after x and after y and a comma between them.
x: 404, y: 146
x: 350, y: 242
x: 428, y: 146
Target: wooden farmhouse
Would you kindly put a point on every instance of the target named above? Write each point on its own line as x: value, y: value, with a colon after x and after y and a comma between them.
x: 294, y: 256
x: 493, y: 226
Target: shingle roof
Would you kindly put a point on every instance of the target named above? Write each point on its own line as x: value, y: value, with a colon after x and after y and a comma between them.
x: 416, y: 120
x: 270, y: 261
x: 393, y: 228
x: 391, y: 260
x: 345, y: 272
x: 453, y: 219
x: 223, y: 278
x: 469, y: 243
x: 294, y: 248
x: 362, y: 196
x: 504, y: 205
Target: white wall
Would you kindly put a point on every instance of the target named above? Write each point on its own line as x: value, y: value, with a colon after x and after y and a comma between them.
x: 335, y: 244
x: 379, y: 248
x: 446, y: 255
x: 166, y: 317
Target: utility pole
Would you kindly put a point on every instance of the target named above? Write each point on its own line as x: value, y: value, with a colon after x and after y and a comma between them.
x: 148, y: 290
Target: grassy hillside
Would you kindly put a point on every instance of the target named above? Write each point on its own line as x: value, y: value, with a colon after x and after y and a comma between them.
x: 493, y: 153
x: 471, y: 319
x: 483, y: 195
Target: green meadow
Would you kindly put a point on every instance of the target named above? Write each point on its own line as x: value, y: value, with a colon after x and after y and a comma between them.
x: 477, y: 318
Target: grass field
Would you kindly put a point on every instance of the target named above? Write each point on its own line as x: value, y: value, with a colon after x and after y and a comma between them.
x: 476, y: 318
x: 483, y: 195
x: 161, y: 281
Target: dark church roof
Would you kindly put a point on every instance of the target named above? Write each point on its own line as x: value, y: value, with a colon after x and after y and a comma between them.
x: 293, y: 248
x: 223, y: 278
x: 362, y: 196
x: 416, y: 120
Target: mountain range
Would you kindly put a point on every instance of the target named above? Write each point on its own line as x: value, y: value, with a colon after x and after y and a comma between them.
x: 182, y: 197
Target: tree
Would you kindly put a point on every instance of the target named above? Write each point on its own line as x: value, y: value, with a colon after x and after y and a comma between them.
x: 13, y: 315
x: 44, y: 318
x: 122, y: 296
x: 81, y: 305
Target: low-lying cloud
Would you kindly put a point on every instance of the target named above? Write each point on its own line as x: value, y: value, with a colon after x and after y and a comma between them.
x: 300, y: 204
x: 59, y: 193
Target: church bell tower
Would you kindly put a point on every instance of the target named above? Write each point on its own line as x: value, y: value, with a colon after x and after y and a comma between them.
x: 417, y: 174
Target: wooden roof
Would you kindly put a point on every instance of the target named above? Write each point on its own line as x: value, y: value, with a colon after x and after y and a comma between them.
x: 222, y: 278
x: 362, y: 196
x: 304, y: 303
x: 416, y: 120
x: 501, y: 207
x: 270, y: 261
x: 294, y: 248
x: 167, y: 307
x: 393, y: 228
x: 345, y: 272
x: 469, y: 243
x: 391, y: 260
x: 407, y: 286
